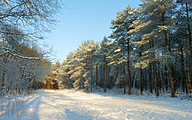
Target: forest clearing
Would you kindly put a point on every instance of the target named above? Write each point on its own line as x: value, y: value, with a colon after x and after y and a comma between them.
x: 71, y: 105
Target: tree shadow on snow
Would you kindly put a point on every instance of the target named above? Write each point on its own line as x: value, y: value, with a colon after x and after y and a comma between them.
x: 34, y: 106
x: 75, y: 116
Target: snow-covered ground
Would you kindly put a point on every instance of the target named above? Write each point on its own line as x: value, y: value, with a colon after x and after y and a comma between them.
x: 68, y: 105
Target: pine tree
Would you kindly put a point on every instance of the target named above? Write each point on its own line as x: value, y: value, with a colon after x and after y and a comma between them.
x: 81, y: 65
x: 158, y: 15
x: 103, y: 60
x: 122, y: 25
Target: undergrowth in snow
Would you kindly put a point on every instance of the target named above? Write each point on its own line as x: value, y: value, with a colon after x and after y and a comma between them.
x: 134, y: 92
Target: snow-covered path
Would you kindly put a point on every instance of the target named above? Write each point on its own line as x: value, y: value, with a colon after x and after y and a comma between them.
x: 64, y: 105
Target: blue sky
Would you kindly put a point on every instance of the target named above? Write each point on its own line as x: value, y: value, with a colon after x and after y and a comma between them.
x: 88, y: 19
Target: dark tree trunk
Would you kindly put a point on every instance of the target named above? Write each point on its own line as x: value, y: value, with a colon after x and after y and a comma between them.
x: 106, y: 75
x: 83, y: 74
x: 184, y: 84
x: 163, y: 86
x: 109, y: 81
x: 145, y: 79
x: 104, y: 80
x: 96, y: 76
x: 91, y: 72
x: 128, y: 69
x: 69, y: 83
x: 189, y: 79
x: 101, y: 75
x: 117, y: 72
x: 188, y: 26
x: 158, y: 78
x: 124, y: 78
x: 155, y: 71
x: 168, y: 64
x: 151, y: 77
x: 141, y: 76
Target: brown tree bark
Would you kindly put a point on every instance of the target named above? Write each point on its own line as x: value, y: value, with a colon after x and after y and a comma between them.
x: 117, y: 72
x: 163, y: 86
x: 85, y: 61
x: 96, y: 76
x: 189, y: 79
x: 104, y: 80
x: 141, y: 76
x: 69, y: 83
x: 91, y: 72
x: 168, y: 61
x: 158, y: 78
x: 184, y: 83
x: 188, y: 26
x: 151, y: 77
x: 123, y: 77
x: 155, y: 70
x: 109, y: 78
x: 128, y: 68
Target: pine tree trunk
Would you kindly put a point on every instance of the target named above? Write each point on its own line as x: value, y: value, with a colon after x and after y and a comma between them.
x: 171, y: 64
x: 100, y: 75
x: 188, y: 26
x: 168, y: 64
x: 155, y: 77
x: 91, y: 72
x: 124, y: 78
x: 162, y: 80
x: 159, y: 78
x: 86, y: 69
x: 96, y: 76
x: 151, y: 77
x: 141, y: 76
x: 155, y: 71
x: 110, y: 84
x: 121, y: 66
x: 145, y: 79
x: 166, y: 78
x: 69, y: 83
x: 84, y: 73
x: 141, y: 81
x: 117, y: 72
x: 106, y: 78
x: 171, y: 79
x: 184, y: 84
x: 110, y: 78
x: 104, y: 81
x: 128, y: 68
x: 189, y: 79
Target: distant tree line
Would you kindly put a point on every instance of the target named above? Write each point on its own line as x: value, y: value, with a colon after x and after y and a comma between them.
x: 149, y: 49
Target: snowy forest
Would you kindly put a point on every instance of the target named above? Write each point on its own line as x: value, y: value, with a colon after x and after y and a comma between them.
x: 149, y: 49
x: 142, y: 70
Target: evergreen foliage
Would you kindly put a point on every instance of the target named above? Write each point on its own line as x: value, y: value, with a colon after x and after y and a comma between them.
x: 152, y: 41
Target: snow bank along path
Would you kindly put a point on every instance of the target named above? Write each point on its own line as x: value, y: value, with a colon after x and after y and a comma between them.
x: 65, y: 105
